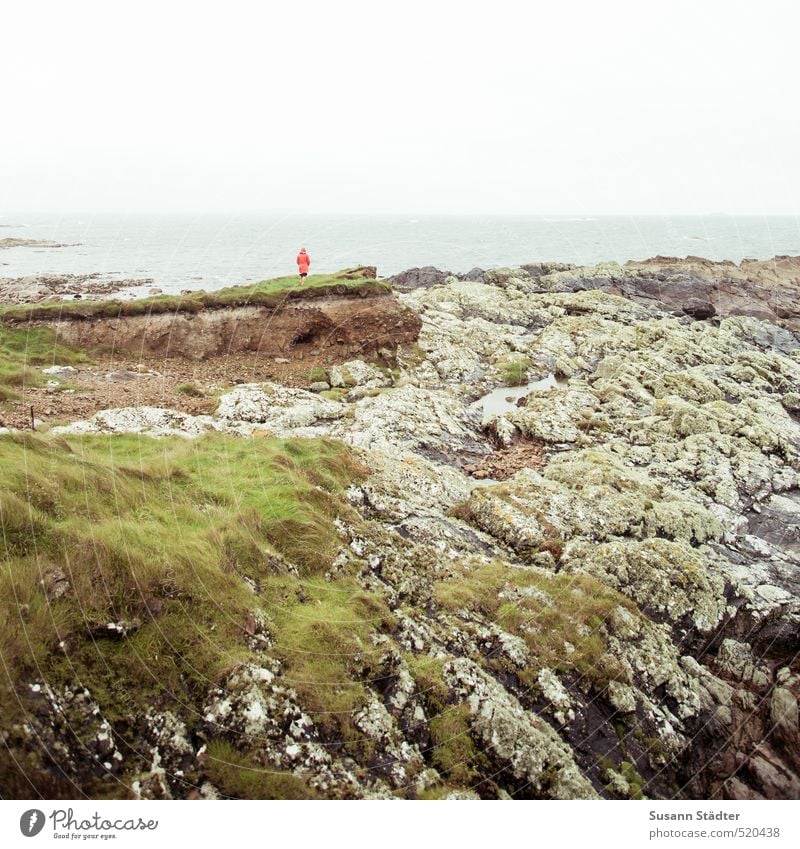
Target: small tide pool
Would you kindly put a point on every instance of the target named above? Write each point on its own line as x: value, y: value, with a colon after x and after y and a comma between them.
x: 505, y: 398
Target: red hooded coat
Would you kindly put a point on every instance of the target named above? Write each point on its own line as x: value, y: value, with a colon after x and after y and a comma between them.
x: 303, y: 261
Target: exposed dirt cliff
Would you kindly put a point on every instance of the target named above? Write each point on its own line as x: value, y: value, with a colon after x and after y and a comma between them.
x: 362, y: 318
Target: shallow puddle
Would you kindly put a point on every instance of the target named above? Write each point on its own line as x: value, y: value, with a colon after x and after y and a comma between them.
x: 501, y: 400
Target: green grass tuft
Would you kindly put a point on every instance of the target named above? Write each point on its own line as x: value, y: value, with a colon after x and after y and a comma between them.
x: 515, y: 370
x: 322, y: 634
x: 160, y: 535
x: 453, y: 751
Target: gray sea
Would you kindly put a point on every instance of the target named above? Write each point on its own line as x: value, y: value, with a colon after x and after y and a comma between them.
x: 210, y: 251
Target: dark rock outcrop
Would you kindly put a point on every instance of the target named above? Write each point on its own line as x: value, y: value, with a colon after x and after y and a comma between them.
x: 418, y: 278
x: 539, y: 269
x: 768, y: 290
x: 699, y: 309
x: 474, y: 275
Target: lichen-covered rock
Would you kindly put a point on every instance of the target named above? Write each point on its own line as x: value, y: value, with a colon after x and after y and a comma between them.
x: 557, y: 415
x: 468, y: 326
x: 589, y: 494
x: 785, y: 717
x: 521, y: 743
x: 505, y: 277
x: 622, y: 697
x: 357, y: 373
x: 671, y: 580
x: 254, y: 708
x: 149, y: 421
x: 556, y: 695
x: 400, y: 760
x: 432, y: 423
x: 281, y: 410
x: 735, y: 660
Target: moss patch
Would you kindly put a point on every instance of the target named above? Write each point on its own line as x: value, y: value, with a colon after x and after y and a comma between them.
x: 635, y: 781
x: 238, y: 777
x: 318, y: 374
x: 192, y: 390
x: 560, y: 617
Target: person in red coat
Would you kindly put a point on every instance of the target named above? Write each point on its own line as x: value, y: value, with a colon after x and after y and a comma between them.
x: 303, y: 261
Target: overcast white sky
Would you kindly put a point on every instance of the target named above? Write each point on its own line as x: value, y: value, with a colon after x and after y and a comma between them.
x: 539, y: 107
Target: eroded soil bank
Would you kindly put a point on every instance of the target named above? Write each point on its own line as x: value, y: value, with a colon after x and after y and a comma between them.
x: 362, y: 319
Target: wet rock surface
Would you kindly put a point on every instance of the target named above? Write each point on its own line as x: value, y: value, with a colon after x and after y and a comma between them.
x: 618, y: 617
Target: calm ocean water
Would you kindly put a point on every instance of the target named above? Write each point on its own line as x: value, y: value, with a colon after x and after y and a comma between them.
x: 211, y: 251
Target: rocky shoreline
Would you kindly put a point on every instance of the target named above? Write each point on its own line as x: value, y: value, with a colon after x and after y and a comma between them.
x: 40, y: 288
x: 701, y: 288
x: 9, y: 242
x: 594, y: 592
